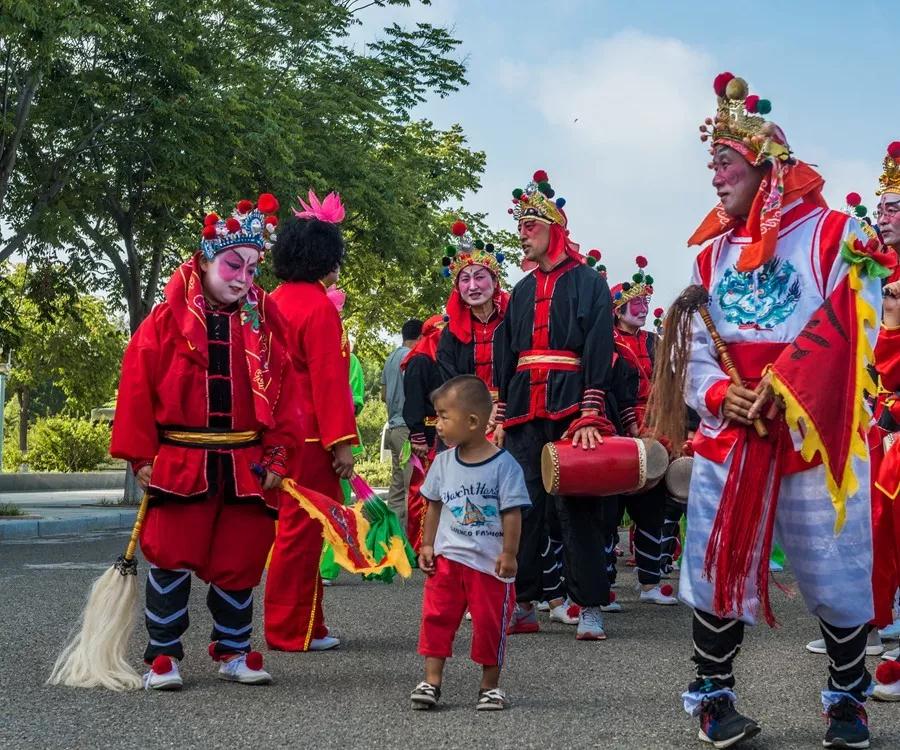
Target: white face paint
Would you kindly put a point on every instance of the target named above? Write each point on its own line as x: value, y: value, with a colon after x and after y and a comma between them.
x: 635, y: 311
x: 228, y: 277
x: 476, y: 285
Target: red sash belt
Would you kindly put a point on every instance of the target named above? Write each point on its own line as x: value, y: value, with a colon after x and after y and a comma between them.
x: 549, y: 359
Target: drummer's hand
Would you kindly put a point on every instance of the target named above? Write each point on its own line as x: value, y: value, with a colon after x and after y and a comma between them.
x: 587, y: 437
x: 426, y: 559
x: 506, y: 566
x: 499, y: 436
x: 738, y: 401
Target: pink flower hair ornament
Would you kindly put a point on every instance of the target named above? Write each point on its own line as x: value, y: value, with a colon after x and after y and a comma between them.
x: 331, y: 209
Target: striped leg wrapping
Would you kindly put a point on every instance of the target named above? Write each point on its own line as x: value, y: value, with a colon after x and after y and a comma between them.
x: 552, y: 569
x: 232, y: 613
x: 166, y: 612
x: 647, y: 555
x: 610, y: 553
x: 846, y: 648
x: 717, y: 642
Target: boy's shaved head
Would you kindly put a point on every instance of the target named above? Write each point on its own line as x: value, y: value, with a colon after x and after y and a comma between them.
x: 467, y: 393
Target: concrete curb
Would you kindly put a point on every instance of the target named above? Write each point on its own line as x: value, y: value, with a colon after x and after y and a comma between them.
x: 61, y: 482
x: 12, y: 530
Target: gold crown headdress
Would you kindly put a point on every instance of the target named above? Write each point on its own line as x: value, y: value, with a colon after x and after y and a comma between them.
x: 536, y: 202
x: 641, y: 285
x: 469, y: 252
x: 739, y: 120
x: 890, y: 176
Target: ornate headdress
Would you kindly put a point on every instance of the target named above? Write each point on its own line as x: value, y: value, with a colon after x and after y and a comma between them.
x: 468, y: 251
x: 536, y: 202
x: 251, y: 225
x: 890, y: 177
x: 330, y: 209
x: 641, y: 285
x: 658, y: 320
x: 739, y: 124
x: 857, y: 210
x: 593, y: 260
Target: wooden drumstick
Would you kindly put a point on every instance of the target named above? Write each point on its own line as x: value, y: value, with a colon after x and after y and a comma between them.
x: 728, y: 363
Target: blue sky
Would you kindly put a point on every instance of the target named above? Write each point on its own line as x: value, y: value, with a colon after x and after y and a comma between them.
x: 607, y: 97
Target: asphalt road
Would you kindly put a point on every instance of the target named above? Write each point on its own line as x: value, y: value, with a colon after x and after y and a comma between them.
x: 622, y: 693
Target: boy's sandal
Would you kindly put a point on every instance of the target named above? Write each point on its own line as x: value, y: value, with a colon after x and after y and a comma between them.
x: 425, y: 695
x: 491, y: 700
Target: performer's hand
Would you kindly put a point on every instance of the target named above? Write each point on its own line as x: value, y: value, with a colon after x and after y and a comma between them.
x: 764, y: 395
x: 492, y: 420
x: 143, y: 476
x: 891, y: 305
x: 738, y: 401
x: 420, y: 449
x: 499, y: 436
x: 506, y: 566
x: 587, y: 437
x: 271, y: 481
x: 343, y: 460
x: 426, y: 559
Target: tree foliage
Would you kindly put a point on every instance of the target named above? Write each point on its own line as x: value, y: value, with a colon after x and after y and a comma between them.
x: 149, y: 113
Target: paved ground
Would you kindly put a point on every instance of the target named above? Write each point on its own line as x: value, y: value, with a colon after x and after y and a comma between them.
x: 619, y: 694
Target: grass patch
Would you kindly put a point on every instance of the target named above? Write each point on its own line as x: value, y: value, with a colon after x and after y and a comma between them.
x: 10, y: 509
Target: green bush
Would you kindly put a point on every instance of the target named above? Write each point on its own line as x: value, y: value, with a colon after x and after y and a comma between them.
x: 13, y: 458
x: 67, y: 444
x: 375, y: 473
x: 371, y: 421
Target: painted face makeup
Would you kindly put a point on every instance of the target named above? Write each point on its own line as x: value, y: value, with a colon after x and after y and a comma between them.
x: 476, y: 285
x: 735, y: 180
x: 534, y: 236
x: 888, y: 217
x: 635, y: 312
x: 229, y: 276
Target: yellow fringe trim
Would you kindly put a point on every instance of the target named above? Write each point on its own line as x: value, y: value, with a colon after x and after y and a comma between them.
x: 394, y: 553
x: 843, y: 485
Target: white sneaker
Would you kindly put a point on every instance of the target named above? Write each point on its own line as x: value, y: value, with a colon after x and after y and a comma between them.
x: 468, y: 616
x: 891, y: 632
x: 561, y: 613
x: 236, y: 669
x: 611, y: 607
x: 163, y: 675
x: 542, y: 606
x: 590, y: 625
x: 874, y: 646
x: 324, y: 644
x: 889, y: 692
x: 656, y: 596
x: 892, y: 655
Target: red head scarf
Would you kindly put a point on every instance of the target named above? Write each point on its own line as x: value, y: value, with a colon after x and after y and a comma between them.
x: 427, y: 345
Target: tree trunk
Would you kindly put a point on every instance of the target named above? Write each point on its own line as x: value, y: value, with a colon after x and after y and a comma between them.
x: 24, y: 396
x: 133, y: 493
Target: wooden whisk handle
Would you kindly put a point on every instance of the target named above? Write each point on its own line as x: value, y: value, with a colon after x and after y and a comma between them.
x: 136, y: 529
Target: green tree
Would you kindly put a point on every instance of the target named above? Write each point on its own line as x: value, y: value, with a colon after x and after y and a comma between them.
x: 77, y: 350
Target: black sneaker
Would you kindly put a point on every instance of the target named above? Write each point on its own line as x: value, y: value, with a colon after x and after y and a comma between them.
x: 848, y: 725
x: 425, y: 696
x: 721, y: 725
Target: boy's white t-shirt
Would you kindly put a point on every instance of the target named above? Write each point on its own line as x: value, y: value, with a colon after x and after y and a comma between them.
x: 473, y: 496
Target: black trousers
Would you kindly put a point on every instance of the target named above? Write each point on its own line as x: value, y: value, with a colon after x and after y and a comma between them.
x: 647, y: 510
x: 582, y: 522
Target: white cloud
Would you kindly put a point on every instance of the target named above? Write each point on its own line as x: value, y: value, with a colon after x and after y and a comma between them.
x: 624, y: 112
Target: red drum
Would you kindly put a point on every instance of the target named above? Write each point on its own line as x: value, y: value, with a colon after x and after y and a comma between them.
x: 620, y: 465
x: 678, y: 478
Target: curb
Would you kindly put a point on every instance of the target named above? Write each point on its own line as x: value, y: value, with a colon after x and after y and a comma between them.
x: 54, y: 527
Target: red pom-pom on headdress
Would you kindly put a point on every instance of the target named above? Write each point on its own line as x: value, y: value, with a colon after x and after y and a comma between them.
x: 210, y: 219
x: 894, y: 150
x: 595, y: 254
x: 853, y: 199
x: 540, y: 176
x: 750, y: 103
x: 721, y: 81
x: 267, y: 203
x: 272, y: 221
x: 209, y: 232
x: 658, y: 312
x: 233, y: 225
x: 459, y: 228
x: 641, y: 261
x: 244, y: 206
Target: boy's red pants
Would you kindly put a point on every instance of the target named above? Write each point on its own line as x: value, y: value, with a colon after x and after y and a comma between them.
x: 453, y: 588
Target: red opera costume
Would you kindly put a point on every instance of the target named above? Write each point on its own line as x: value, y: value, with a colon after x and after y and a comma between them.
x: 320, y: 354
x: 206, y: 398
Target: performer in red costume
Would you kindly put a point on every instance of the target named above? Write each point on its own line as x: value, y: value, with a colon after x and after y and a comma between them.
x: 421, y: 378
x: 631, y: 303
x: 205, y: 404
x: 475, y: 308
x: 307, y: 257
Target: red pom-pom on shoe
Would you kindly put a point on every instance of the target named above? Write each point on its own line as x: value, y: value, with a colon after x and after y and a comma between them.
x: 267, y: 203
x: 215, y: 655
x: 894, y: 150
x: 255, y: 660
x: 162, y: 664
x: 209, y: 232
x: 233, y: 225
x: 458, y: 229
x: 573, y: 610
x: 666, y: 589
x: 244, y: 206
x: 612, y: 596
x: 888, y: 672
x: 721, y: 81
x: 540, y: 176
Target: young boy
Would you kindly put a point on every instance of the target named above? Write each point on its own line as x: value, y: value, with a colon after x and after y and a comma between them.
x: 476, y: 492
